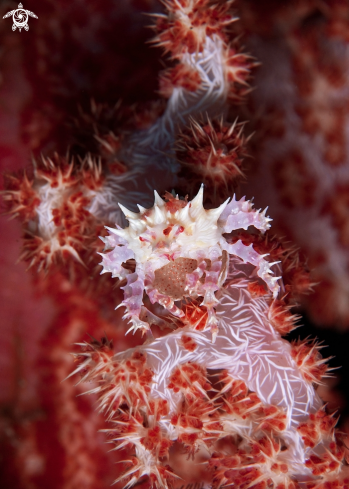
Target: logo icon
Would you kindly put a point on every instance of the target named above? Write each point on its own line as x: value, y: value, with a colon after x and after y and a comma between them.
x: 20, y: 18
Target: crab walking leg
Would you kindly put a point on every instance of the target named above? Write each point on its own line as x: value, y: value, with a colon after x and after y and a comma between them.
x: 248, y: 254
x: 239, y: 214
x: 206, y: 280
x: 133, y: 299
x: 112, y: 262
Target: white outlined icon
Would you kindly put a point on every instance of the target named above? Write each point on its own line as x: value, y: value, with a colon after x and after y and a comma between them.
x: 20, y: 18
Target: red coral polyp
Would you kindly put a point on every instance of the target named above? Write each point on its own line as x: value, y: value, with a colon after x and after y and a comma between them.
x: 20, y: 197
x: 58, y: 226
x: 190, y: 379
x: 180, y: 76
x: 309, y: 360
x: 212, y: 152
x: 189, y: 23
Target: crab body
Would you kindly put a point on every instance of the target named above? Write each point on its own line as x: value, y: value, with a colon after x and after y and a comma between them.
x: 180, y: 251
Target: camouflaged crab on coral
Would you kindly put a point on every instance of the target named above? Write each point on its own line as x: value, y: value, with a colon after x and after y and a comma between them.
x: 180, y: 251
x: 212, y: 394
x: 261, y: 423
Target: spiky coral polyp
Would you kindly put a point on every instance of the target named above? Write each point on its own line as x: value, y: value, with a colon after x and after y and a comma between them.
x: 20, y: 196
x: 188, y: 24
x: 212, y: 152
x: 180, y: 75
x: 127, y: 382
x: 309, y: 360
x: 54, y: 205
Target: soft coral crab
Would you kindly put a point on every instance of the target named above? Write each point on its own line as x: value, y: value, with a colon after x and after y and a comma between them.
x: 180, y: 251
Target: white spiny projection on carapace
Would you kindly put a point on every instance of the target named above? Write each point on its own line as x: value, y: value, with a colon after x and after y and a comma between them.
x: 180, y: 251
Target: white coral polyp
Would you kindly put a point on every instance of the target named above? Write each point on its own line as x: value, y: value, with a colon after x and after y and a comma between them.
x: 180, y: 251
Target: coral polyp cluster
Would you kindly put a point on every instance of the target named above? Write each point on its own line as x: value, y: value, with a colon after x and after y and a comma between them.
x: 188, y: 23
x: 212, y: 152
x: 54, y: 204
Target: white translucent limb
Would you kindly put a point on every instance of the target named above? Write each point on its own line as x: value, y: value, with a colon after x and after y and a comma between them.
x: 205, y: 281
x: 239, y: 214
x: 133, y: 300
x: 112, y: 261
x: 249, y: 255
